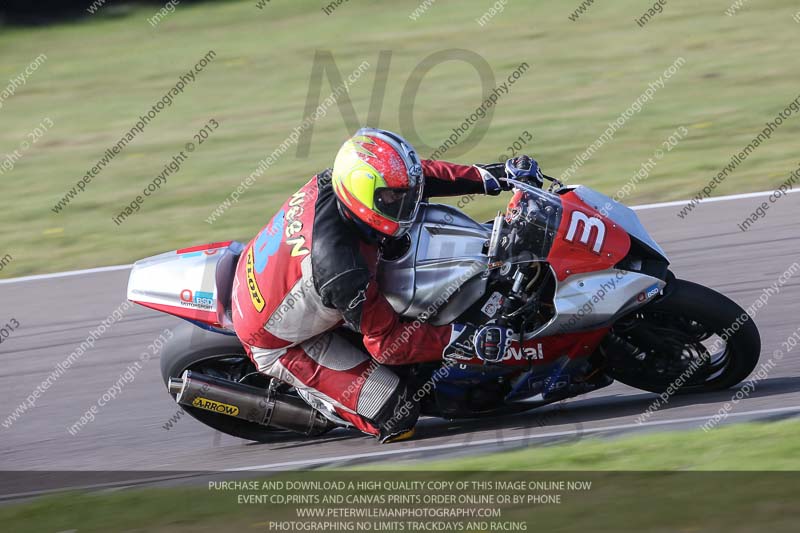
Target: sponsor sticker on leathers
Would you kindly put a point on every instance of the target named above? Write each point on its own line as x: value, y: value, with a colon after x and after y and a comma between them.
x: 252, y: 286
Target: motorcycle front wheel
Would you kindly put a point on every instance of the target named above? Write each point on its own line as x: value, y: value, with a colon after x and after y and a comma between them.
x: 692, y: 339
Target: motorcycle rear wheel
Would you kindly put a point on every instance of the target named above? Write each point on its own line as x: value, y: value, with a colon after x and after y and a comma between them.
x: 217, y: 355
x: 654, y: 348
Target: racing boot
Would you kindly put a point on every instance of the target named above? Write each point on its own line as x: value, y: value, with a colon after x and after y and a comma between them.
x: 397, y: 419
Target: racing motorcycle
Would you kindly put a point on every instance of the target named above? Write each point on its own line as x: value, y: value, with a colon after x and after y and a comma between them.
x: 584, y: 292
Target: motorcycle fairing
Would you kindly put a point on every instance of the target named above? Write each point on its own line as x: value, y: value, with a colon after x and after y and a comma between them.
x: 190, y: 283
x: 586, y: 241
x: 622, y: 215
x: 446, y: 246
x: 597, y: 299
x: 442, y: 271
x: 544, y: 350
x: 544, y: 371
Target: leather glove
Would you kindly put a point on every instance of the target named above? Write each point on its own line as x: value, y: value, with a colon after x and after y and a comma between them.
x: 461, y: 347
x: 494, y: 178
x: 492, y: 342
x: 525, y: 169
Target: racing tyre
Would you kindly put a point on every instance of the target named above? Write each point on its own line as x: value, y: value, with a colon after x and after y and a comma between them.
x: 692, y: 339
x: 221, y: 356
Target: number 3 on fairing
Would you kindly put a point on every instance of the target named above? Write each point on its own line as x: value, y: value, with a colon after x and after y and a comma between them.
x: 579, y: 219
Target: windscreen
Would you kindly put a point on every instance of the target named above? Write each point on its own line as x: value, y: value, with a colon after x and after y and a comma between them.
x: 532, y: 220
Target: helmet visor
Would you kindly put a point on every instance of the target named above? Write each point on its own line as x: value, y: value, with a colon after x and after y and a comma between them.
x: 399, y: 205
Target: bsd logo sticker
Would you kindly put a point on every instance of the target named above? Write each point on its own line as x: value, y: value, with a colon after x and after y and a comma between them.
x: 648, y: 293
x: 197, y: 300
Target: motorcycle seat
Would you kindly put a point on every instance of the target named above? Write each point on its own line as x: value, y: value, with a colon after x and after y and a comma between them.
x: 225, y: 272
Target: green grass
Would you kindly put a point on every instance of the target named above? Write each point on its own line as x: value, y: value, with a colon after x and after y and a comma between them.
x: 101, y: 74
x: 620, y: 499
x: 753, y: 447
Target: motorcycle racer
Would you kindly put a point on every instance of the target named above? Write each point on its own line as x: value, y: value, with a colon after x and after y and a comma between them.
x: 311, y: 270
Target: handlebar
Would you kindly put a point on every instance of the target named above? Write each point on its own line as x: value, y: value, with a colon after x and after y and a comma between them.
x: 556, y: 184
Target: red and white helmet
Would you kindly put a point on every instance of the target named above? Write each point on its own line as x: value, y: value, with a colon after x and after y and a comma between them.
x: 377, y: 178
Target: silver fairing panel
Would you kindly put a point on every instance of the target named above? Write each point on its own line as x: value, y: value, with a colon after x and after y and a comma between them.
x: 178, y: 282
x: 622, y: 215
x: 441, y: 274
x: 597, y: 299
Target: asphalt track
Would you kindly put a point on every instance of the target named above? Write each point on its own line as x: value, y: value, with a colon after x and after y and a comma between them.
x: 56, y: 313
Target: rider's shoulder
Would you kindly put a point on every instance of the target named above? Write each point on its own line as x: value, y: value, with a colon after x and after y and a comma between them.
x: 323, y: 179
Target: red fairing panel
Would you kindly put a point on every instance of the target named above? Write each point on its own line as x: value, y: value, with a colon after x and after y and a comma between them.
x: 586, y: 241
x: 545, y: 350
x: 209, y: 249
x: 206, y: 317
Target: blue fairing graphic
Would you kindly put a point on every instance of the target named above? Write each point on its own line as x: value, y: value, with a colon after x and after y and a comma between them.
x: 268, y: 241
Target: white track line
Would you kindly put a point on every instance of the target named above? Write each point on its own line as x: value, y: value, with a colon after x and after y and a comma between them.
x: 388, y: 453
x: 65, y: 274
x: 324, y: 460
x: 635, y: 208
x: 709, y: 200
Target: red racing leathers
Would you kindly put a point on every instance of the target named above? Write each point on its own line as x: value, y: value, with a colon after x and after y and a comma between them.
x: 308, y: 272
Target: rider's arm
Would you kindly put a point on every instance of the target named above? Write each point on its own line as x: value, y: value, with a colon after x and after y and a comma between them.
x: 365, y: 310
x: 449, y: 179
